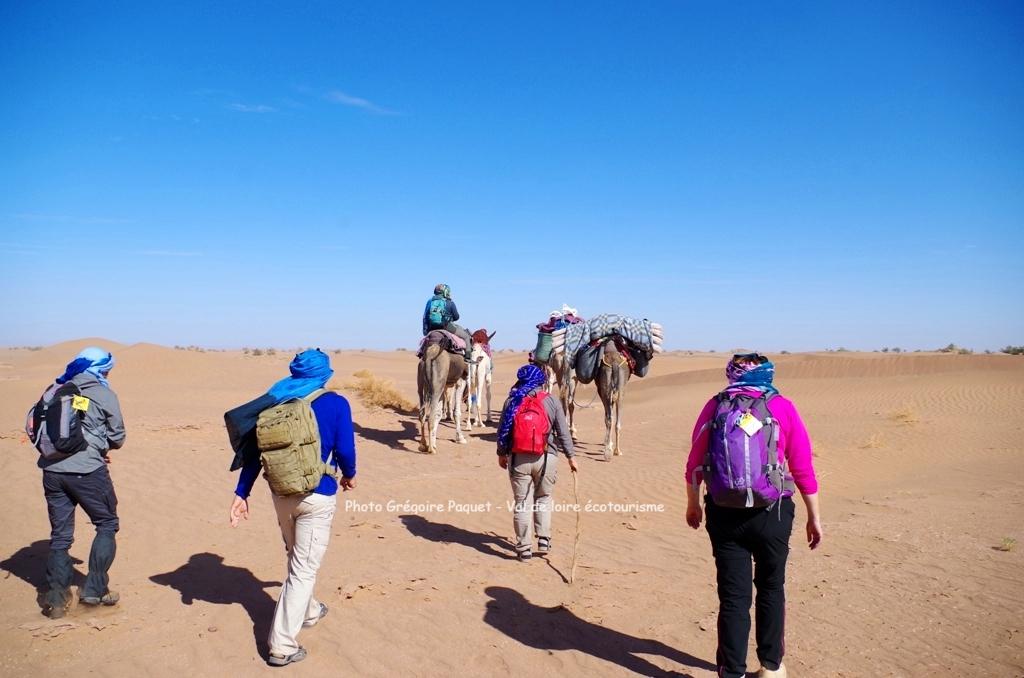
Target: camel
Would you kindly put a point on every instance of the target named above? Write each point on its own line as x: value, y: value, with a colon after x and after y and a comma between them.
x: 481, y: 386
x: 438, y: 372
x: 560, y: 373
x: 611, y: 380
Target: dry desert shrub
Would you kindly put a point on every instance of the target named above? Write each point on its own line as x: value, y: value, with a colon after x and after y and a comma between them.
x: 1008, y: 544
x: 904, y: 415
x: 873, y: 442
x: 377, y: 393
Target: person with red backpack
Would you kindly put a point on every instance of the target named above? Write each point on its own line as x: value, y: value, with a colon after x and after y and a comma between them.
x: 531, y: 430
x: 750, y: 448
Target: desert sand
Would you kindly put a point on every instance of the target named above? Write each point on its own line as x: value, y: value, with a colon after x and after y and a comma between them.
x: 918, y: 456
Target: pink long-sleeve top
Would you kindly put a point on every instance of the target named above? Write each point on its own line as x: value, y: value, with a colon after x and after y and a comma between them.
x: 794, y: 444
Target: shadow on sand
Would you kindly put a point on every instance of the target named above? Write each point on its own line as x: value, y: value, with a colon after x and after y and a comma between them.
x: 405, y: 439
x: 29, y: 564
x: 557, y: 628
x: 205, y: 577
x: 442, y: 533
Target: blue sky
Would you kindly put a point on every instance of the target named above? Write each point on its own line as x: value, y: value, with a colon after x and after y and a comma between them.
x: 772, y: 175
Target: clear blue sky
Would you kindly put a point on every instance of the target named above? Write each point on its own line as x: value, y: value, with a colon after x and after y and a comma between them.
x: 772, y: 175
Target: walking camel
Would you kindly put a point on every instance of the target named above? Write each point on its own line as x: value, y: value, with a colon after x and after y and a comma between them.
x: 438, y: 371
x: 559, y: 372
x: 611, y: 379
x: 481, y: 387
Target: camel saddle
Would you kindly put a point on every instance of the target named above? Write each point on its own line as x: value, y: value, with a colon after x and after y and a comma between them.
x: 443, y: 338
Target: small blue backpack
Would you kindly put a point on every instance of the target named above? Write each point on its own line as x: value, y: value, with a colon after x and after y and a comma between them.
x: 437, y: 311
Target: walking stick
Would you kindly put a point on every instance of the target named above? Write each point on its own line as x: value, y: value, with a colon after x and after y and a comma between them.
x: 579, y: 525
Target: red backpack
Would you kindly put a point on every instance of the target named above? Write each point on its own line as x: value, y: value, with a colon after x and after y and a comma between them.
x: 530, y: 427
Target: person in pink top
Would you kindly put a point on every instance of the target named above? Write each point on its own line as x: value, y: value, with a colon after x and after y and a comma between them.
x: 750, y: 449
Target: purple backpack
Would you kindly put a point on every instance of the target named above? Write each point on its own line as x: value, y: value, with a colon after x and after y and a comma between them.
x: 742, y: 468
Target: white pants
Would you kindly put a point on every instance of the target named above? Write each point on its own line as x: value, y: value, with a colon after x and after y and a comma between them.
x: 305, y: 521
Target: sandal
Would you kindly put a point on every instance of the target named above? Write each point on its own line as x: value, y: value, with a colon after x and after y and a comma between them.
x: 543, y: 545
x: 285, y: 660
x: 313, y: 622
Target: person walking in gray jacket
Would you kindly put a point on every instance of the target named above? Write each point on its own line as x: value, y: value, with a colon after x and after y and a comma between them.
x: 533, y: 472
x: 82, y: 479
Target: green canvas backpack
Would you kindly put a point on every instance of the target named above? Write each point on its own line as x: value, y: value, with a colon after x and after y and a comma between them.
x: 288, y: 439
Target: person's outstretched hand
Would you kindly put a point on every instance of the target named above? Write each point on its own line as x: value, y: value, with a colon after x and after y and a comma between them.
x: 572, y: 465
x: 348, y: 484
x: 239, y: 511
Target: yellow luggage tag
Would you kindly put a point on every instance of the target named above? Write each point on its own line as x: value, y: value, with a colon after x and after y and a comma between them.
x: 80, y: 403
x: 749, y: 423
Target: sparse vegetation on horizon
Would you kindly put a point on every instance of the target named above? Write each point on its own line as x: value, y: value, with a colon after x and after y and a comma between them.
x: 197, y: 349
x: 1012, y: 350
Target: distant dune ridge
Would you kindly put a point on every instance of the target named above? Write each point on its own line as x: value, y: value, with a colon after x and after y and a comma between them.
x: 918, y: 457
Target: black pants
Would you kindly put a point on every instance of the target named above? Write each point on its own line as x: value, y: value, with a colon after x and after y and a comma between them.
x: 736, y: 536
x: 94, y: 492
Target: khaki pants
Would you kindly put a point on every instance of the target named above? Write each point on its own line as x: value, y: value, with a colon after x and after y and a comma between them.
x: 532, y: 492
x: 305, y: 521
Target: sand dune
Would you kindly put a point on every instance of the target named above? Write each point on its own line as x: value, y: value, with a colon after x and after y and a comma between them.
x: 918, y: 457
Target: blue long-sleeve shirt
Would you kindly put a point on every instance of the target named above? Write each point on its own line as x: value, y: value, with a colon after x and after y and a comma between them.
x: 337, y: 445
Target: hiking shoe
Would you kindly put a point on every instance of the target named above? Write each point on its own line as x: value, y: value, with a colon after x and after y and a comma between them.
x: 55, y: 611
x: 286, y: 659
x: 56, y: 603
x: 768, y: 673
x: 108, y: 598
x: 543, y: 545
x: 313, y: 622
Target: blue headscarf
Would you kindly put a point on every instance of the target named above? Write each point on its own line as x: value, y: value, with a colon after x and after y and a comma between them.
x: 310, y: 370
x: 530, y: 377
x: 750, y: 374
x: 93, y: 360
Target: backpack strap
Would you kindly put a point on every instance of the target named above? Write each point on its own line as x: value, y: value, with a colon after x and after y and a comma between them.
x: 329, y: 468
x: 722, y: 398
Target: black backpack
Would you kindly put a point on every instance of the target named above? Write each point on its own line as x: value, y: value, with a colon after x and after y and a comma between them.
x: 54, y: 424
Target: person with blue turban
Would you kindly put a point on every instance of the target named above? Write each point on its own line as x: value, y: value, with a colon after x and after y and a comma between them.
x: 83, y: 479
x: 533, y: 472
x: 305, y: 519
